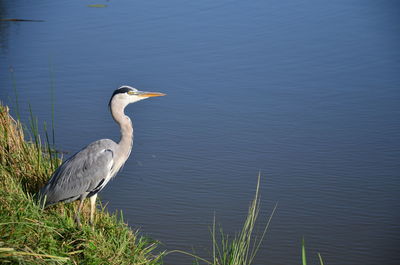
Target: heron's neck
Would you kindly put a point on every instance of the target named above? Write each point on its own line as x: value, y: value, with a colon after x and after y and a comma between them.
x: 125, y: 143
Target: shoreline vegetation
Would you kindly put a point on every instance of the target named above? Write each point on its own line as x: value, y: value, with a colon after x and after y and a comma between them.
x: 31, y: 235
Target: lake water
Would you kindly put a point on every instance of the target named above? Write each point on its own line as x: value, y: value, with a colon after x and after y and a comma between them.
x: 306, y: 92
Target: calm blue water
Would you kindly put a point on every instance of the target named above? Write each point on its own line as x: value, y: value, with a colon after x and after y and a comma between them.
x: 306, y: 92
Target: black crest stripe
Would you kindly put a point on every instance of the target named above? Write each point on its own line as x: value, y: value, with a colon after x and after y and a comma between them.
x: 120, y: 90
x: 123, y: 89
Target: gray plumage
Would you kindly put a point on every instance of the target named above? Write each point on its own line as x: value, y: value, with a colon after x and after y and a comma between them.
x: 87, y: 172
x: 84, y: 174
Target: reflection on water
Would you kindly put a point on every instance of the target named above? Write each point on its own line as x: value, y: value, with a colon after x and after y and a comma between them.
x: 305, y: 92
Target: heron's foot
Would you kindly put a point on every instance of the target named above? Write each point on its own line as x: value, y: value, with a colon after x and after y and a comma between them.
x: 91, y: 222
x: 78, y: 221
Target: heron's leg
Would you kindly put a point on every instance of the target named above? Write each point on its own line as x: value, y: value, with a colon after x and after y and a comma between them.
x: 92, y: 208
x: 77, y: 218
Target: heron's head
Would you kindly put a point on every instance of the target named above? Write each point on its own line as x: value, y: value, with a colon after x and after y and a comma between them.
x: 126, y: 95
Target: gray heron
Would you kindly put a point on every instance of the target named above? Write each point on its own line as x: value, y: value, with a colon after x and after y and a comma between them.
x: 86, y: 173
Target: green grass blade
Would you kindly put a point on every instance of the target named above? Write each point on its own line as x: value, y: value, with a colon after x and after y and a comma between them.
x: 303, y: 252
x: 320, y: 259
x: 52, y: 164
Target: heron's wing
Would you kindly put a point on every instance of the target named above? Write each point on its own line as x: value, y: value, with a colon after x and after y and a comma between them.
x: 85, y: 173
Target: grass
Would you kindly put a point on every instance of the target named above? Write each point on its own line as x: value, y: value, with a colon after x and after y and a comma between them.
x: 303, y: 254
x: 31, y: 235
x: 242, y: 249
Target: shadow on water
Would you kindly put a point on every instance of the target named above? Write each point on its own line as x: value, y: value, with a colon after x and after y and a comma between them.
x: 5, y: 24
x: 21, y: 20
x: 3, y: 28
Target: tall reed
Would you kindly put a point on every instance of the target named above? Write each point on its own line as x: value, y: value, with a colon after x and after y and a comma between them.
x: 303, y: 254
x: 242, y: 249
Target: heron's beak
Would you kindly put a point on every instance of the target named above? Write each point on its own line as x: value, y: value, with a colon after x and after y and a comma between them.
x: 151, y: 94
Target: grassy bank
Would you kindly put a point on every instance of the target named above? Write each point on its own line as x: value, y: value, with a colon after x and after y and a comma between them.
x: 29, y: 234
